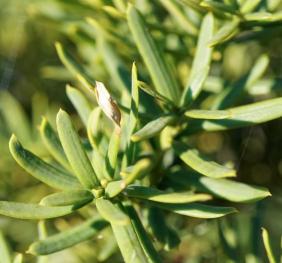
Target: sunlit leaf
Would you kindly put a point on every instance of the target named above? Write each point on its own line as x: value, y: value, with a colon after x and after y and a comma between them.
x: 267, y: 246
x: 110, y: 212
x: 41, y: 170
x: 181, y: 18
x: 14, y: 117
x: 153, y: 128
x: 75, y: 152
x: 80, y: 103
x: 4, y: 250
x: 161, y: 75
x: 34, y: 211
x: 208, y: 114
x: 197, y: 210
x: 68, y: 238
x: 223, y: 188
x: 242, y: 116
x: 52, y: 143
x: 201, y: 61
x: 74, y: 197
x: 156, y: 195
x: 201, y: 164
x: 226, y: 32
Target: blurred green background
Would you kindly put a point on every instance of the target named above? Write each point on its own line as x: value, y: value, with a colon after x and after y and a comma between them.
x: 31, y: 71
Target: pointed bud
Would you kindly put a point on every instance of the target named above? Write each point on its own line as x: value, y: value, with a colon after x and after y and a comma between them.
x: 107, y: 103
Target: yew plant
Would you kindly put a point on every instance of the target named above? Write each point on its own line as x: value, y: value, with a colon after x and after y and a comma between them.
x: 134, y: 162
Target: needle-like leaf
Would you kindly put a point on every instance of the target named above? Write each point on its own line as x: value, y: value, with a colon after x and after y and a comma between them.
x: 34, y: 211
x: 201, y: 62
x: 208, y: 114
x: 111, y: 212
x: 41, y: 170
x: 197, y: 210
x: 68, y: 238
x: 156, y: 195
x: 74, y: 151
x: 4, y: 250
x: 74, y: 197
x: 267, y: 246
x: 52, y: 143
x: 196, y: 161
x: 162, y: 77
x: 80, y: 103
x: 242, y: 116
x: 153, y: 128
x: 14, y: 117
x: 223, y: 188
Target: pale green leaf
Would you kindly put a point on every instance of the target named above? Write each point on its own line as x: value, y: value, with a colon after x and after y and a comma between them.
x: 197, y: 210
x: 93, y: 127
x: 201, y: 62
x: 4, y: 250
x: 34, y: 211
x: 226, y: 32
x: 41, y: 170
x: 267, y: 246
x: 194, y: 87
x: 140, y: 169
x: 153, y: 128
x: 115, y: 66
x: 199, y: 163
x: 249, y: 6
x: 208, y: 114
x: 74, y: 151
x: 181, y: 18
x: 242, y: 116
x: 14, y: 117
x: 18, y: 258
x: 159, y: 71
x: 68, y: 238
x: 52, y: 143
x: 219, y: 7
x: 133, y: 118
x: 156, y: 195
x: 72, y: 65
x: 223, y: 188
x: 74, y: 197
x: 112, y: 153
x: 111, y: 212
x: 80, y: 103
